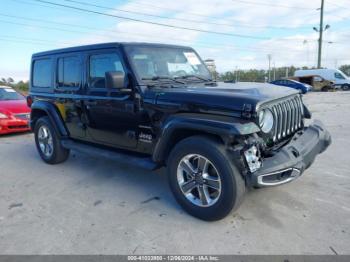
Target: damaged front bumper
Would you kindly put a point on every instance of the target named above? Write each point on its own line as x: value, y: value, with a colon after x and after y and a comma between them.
x: 291, y: 160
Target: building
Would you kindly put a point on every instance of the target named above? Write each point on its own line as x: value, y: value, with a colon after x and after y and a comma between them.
x: 210, y: 63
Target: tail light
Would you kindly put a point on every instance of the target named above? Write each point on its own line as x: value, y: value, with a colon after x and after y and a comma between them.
x: 29, y: 101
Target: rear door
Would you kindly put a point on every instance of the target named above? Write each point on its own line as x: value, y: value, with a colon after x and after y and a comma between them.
x: 68, y: 89
x: 110, y: 114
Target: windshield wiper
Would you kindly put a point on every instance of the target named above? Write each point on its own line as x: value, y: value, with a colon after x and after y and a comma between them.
x: 207, y: 80
x: 157, y: 78
x: 194, y: 76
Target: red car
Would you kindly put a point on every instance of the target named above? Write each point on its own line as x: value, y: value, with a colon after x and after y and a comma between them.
x: 14, y: 112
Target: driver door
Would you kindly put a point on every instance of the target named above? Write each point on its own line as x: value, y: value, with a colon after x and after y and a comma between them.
x: 110, y: 114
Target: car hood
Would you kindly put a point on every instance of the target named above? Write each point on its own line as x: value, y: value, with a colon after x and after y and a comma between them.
x: 224, y: 96
x: 14, y: 106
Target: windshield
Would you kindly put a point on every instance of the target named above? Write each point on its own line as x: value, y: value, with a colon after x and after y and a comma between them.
x: 9, y: 94
x: 154, y: 63
x: 339, y: 76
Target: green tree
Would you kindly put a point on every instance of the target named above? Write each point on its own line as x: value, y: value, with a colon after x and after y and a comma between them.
x: 22, y: 87
x: 345, y: 69
x: 10, y: 80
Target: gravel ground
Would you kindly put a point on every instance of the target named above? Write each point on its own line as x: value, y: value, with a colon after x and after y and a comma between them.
x: 93, y: 206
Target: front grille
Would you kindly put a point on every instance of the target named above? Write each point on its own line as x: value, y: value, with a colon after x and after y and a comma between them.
x: 24, y: 116
x: 288, y: 115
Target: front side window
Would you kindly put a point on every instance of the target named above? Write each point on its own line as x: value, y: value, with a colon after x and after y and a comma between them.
x: 68, y: 73
x: 171, y: 62
x: 339, y: 76
x: 42, y: 73
x: 100, y: 64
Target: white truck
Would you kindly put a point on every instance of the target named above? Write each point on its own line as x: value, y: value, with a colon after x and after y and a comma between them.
x: 340, y: 80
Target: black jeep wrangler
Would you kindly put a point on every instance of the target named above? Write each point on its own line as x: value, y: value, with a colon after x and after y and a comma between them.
x: 156, y: 105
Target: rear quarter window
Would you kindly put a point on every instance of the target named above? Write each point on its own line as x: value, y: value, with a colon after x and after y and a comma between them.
x: 42, y: 70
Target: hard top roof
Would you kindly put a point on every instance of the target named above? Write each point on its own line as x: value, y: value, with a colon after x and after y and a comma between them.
x: 104, y: 45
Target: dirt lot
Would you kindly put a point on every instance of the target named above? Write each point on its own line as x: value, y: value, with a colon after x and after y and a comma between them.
x: 93, y: 206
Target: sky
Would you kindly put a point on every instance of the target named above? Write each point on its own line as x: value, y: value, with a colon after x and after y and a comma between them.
x: 237, y: 34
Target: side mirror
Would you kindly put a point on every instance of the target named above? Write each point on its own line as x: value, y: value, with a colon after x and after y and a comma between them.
x: 115, y: 80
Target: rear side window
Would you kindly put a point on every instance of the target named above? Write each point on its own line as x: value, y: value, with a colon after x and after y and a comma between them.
x: 42, y: 73
x: 100, y: 64
x: 68, y: 72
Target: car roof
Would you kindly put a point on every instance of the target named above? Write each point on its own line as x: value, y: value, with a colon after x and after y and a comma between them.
x: 7, y: 87
x: 294, y: 81
x: 103, y: 46
x: 318, y: 69
x: 282, y: 79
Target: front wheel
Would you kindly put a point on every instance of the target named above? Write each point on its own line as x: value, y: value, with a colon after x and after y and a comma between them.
x: 203, y: 179
x: 48, y: 143
x: 326, y: 88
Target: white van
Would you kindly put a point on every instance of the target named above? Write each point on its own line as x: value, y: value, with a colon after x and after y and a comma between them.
x: 336, y: 76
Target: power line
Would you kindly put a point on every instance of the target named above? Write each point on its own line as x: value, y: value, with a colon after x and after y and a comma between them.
x: 180, y: 19
x: 47, y: 21
x: 34, y: 40
x: 202, y: 15
x: 203, y: 44
x: 273, y: 5
x: 111, y: 33
x: 337, y: 5
x: 150, y: 22
x: 21, y: 42
x: 44, y: 27
x: 42, y: 43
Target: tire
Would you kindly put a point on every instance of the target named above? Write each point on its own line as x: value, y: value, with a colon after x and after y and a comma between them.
x: 325, y: 88
x: 345, y: 87
x: 232, y: 185
x: 48, y: 142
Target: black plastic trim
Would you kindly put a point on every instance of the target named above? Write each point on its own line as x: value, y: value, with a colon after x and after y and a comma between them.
x: 298, y: 154
x: 52, y: 112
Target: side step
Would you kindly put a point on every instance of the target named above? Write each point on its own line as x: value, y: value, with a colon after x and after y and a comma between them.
x: 115, y: 155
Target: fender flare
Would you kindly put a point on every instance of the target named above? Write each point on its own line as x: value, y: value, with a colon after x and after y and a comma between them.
x: 52, y: 112
x: 226, y: 130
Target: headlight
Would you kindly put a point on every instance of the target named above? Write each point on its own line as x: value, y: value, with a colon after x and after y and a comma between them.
x: 3, y: 116
x: 266, y: 120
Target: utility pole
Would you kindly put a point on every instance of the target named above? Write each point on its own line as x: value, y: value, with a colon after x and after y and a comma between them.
x: 307, y: 52
x: 287, y: 73
x: 320, y: 30
x: 269, y: 56
x: 321, y: 36
x: 274, y: 71
x: 236, y: 74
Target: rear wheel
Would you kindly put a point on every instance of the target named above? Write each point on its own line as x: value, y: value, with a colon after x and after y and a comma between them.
x: 48, y: 143
x: 346, y: 87
x: 203, y: 180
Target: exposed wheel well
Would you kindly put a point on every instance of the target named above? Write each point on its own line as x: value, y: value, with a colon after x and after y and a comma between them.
x: 179, y: 135
x: 35, y: 115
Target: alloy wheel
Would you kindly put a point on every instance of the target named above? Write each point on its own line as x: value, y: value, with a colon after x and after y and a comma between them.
x: 45, y: 141
x: 199, y: 180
